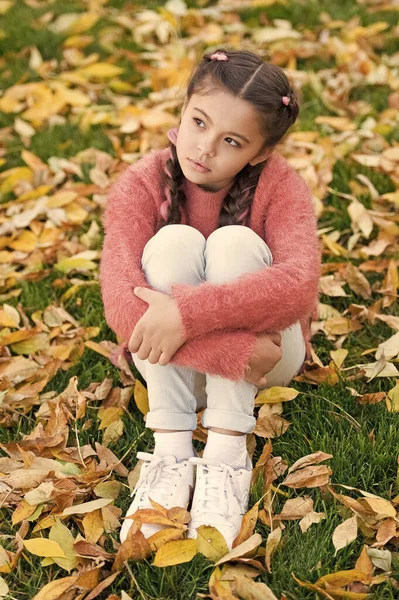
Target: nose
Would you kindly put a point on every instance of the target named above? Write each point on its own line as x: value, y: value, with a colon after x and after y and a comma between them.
x: 206, y: 147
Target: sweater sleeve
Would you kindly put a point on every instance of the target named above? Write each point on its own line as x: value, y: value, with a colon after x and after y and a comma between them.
x: 129, y: 222
x: 277, y: 296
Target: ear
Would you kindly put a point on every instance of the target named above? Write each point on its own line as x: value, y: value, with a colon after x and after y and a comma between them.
x: 261, y: 157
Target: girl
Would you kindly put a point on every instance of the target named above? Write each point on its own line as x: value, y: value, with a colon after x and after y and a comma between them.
x: 210, y: 270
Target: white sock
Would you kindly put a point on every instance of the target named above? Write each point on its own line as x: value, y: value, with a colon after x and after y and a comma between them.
x: 174, y: 443
x: 230, y: 449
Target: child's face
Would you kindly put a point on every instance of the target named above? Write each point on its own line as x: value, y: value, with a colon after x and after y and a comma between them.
x: 211, y: 141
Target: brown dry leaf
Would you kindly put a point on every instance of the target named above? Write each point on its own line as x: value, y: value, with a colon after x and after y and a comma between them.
x: 251, y: 590
x: 310, y: 459
x: 86, y: 507
x: 135, y: 547
x: 243, y: 549
x: 371, y: 398
x: 382, y: 508
x: 295, y: 508
x: 386, y: 531
x: 364, y: 563
x: 269, y: 423
x: 149, y: 515
x: 356, y: 280
x: 309, y: 519
x: 247, y: 525
x: 345, y: 533
x: 273, y: 540
x: 175, y: 553
x: 101, y: 586
x: 312, y: 476
x: 53, y: 590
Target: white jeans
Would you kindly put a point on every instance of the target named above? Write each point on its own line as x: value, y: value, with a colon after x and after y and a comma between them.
x: 181, y: 254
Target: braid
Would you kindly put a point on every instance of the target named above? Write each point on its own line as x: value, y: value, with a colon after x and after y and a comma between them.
x: 173, y: 190
x: 238, y: 202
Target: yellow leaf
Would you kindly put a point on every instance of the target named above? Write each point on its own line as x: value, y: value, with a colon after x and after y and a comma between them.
x: 80, y: 264
x: 39, y: 341
x: 141, y: 397
x: 100, y: 71
x: 61, y: 198
x: 93, y: 525
x: 393, y: 403
x: 26, y: 242
x: 175, y: 553
x: 75, y: 213
x: 158, y: 539
x: 211, y: 543
x: 343, y: 578
x: 113, y: 432
x: 9, y: 316
x: 339, y: 356
x: 44, y: 547
x: 83, y: 23
x: 108, y: 489
x: 4, y: 589
x: 109, y: 415
x: 23, y: 511
x: 60, y: 534
x: 14, y: 176
x: 275, y: 394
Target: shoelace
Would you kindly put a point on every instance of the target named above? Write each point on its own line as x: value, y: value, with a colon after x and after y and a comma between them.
x: 219, y: 486
x: 157, y: 475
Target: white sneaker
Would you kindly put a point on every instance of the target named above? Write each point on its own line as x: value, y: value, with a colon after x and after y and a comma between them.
x: 220, y: 498
x: 163, y: 479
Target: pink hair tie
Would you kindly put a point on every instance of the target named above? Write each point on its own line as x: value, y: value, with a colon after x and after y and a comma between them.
x: 286, y: 100
x: 219, y: 56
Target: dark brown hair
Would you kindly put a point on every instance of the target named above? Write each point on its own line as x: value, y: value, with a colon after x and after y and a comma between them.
x: 244, y: 75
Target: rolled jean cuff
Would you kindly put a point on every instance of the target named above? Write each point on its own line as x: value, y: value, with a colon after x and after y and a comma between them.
x: 228, y: 419
x: 169, y: 420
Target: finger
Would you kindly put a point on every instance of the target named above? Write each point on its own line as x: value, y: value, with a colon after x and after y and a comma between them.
x: 276, y: 338
x: 144, y: 351
x: 154, y: 356
x: 135, y: 342
x: 164, y: 359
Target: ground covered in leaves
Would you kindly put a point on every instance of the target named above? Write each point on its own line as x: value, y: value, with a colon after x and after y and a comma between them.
x: 86, y: 88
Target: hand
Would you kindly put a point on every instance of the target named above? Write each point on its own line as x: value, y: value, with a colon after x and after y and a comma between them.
x: 160, y: 331
x: 265, y: 356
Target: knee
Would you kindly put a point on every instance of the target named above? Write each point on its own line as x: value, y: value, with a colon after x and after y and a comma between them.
x: 237, y: 245
x: 174, y: 254
x: 174, y: 240
x: 232, y: 237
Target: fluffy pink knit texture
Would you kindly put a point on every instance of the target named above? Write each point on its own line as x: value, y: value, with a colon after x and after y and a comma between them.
x: 221, y: 321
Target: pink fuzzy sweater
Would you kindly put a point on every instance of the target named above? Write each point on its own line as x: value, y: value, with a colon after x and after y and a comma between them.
x: 221, y: 321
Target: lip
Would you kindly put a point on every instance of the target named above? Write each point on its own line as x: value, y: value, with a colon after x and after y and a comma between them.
x: 198, y: 166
